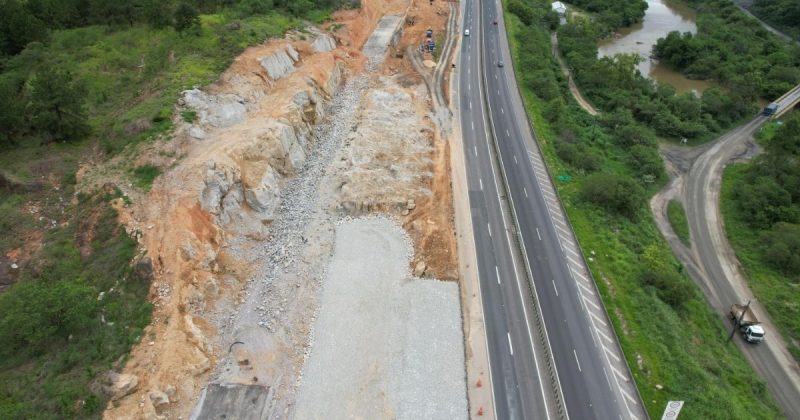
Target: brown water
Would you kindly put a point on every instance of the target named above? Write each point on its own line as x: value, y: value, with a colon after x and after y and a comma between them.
x: 661, y: 17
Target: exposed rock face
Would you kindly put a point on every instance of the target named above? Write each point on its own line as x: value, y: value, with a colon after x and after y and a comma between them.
x: 223, y: 110
x: 280, y: 63
x: 323, y: 43
x: 197, y: 132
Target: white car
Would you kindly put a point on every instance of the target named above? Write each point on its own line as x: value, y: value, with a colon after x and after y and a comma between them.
x: 466, y: 32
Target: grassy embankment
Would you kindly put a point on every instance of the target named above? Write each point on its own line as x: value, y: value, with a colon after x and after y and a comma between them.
x: 679, y: 346
x: 57, y: 335
x: 677, y: 219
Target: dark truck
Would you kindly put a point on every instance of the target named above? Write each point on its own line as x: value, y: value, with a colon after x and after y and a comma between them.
x: 770, y: 109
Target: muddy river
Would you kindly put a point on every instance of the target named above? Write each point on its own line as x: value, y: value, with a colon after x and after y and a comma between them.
x: 661, y: 17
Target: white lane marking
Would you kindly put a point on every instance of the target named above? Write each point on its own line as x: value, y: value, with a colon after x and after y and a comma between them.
x: 579, y: 274
x: 501, y: 111
x: 515, y: 160
x: 554, y: 287
x: 611, y: 353
x: 469, y: 86
x: 538, y: 234
x: 510, y: 348
x: 585, y: 287
x: 589, y: 301
x: 576, y: 360
x: 525, y: 190
x: 475, y: 148
x: 498, y: 92
x: 602, y: 334
x: 480, y: 181
x: 597, y: 318
x: 490, y: 229
x: 573, y: 260
x: 497, y: 273
x: 495, y: 76
x: 607, y: 380
x: 473, y: 125
x: 507, y: 133
x: 470, y: 104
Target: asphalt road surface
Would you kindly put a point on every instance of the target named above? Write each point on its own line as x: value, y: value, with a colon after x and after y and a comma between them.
x: 588, y: 378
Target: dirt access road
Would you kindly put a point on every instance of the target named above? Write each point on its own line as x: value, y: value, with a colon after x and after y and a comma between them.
x: 697, y: 176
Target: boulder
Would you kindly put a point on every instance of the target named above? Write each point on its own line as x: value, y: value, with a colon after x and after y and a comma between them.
x: 197, y: 132
x: 143, y: 269
x: 119, y: 385
x: 159, y: 399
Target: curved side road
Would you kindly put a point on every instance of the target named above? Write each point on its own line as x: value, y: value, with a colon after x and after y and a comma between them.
x: 713, y: 264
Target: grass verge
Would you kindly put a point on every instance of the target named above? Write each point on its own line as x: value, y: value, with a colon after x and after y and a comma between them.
x: 675, y: 353
x: 678, y: 221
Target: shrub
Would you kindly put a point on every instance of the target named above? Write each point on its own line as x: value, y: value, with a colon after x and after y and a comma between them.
x: 613, y: 192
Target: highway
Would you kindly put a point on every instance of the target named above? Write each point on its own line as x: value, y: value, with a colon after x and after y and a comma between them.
x: 552, y: 350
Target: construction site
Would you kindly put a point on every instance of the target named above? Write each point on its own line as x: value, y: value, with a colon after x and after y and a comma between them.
x: 303, y: 241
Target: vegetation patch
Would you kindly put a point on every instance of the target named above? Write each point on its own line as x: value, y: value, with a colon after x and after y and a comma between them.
x: 678, y: 221
x: 75, y: 311
x: 673, y: 341
x: 144, y: 176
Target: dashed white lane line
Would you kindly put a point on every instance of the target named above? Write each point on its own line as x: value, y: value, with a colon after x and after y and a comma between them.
x: 515, y: 160
x: 480, y: 181
x: 473, y: 125
x: 576, y: 360
x: 538, y: 234
x: 525, y: 190
x: 507, y: 133
x: 510, y: 347
x: 497, y: 273
x: 475, y: 148
x: 501, y: 111
x: 554, y: 287
x: 490, y: 229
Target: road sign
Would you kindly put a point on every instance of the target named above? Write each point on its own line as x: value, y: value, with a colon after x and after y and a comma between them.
x: 672, y: 410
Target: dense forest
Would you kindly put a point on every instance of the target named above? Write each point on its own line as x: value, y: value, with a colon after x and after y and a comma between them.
x: 733, y: 50
x: 784, y: 14
x: 613, y: 166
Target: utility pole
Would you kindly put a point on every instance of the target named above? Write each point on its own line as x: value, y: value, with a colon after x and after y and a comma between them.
x: 738, y: 321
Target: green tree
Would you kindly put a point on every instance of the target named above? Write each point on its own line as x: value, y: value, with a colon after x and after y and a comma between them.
x: 10, y: 113
x: 670, y: 287
x: 18, y: 27
x: 614, y: 193
x: 781, y: 247
x: 35, y: 311
x: 156, y: 13
x: 56, y: 106
x: 186, y: 18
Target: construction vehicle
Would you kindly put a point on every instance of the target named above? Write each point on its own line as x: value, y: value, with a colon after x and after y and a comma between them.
x: 429, y: 33
x: 750, y: 327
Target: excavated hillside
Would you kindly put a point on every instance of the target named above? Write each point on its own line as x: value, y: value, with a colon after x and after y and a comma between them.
x: 297, y: 133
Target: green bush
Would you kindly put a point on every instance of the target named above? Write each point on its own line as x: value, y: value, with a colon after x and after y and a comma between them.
x: 781, y: 248
x: 145, y: 175
x: 613, y: 192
